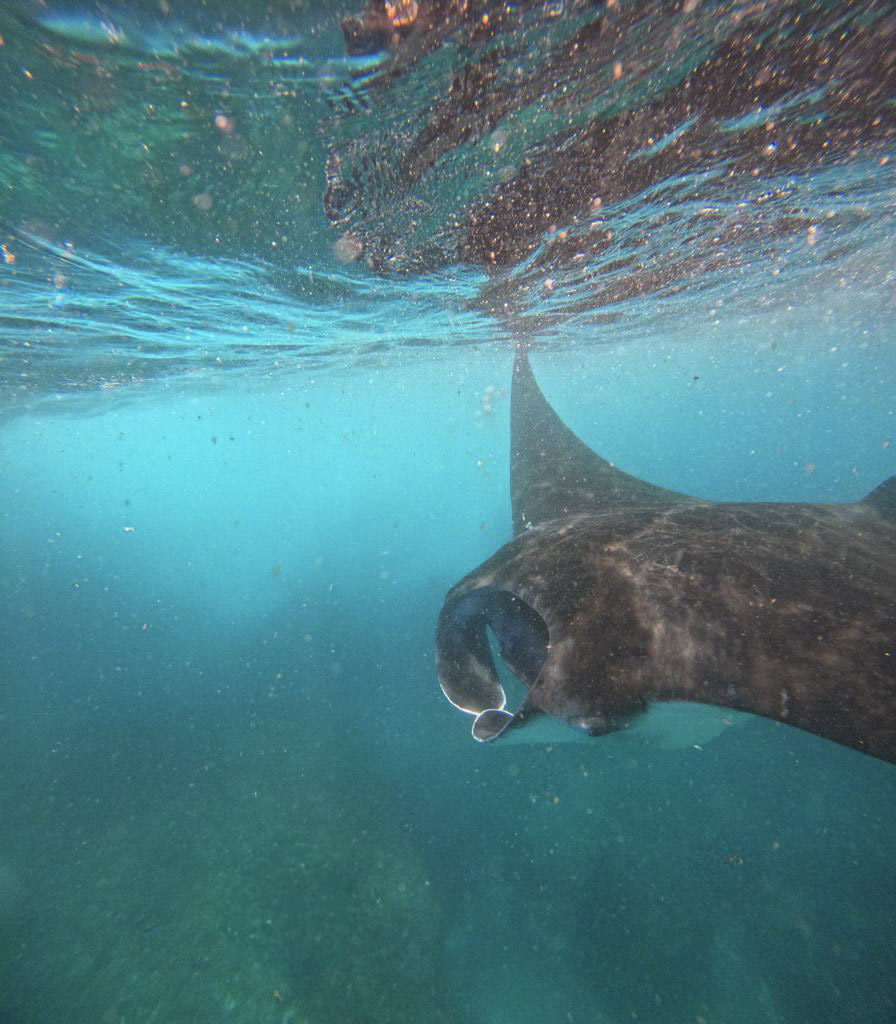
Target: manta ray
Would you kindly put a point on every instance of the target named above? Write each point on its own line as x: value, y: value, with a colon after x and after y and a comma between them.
x: 616, y: 596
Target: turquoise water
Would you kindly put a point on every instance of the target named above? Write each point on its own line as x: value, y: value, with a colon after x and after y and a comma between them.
x: 250, y: 438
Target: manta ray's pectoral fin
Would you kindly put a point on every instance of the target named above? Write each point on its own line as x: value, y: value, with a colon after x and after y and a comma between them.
x: 553, y: 473
x: 883, y: 498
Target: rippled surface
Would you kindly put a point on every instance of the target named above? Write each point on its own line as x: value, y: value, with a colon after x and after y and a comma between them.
x: 77, y: 321
x: 626, y: 152
x: 214, y: 190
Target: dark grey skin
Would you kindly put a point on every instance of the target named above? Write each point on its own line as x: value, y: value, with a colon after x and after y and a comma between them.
x: 615, y: 594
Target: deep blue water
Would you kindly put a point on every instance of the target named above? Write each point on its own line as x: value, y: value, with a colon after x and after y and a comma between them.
x: 237, y: 480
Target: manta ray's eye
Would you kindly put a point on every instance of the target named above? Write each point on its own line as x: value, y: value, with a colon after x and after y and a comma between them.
x: 466, y: 668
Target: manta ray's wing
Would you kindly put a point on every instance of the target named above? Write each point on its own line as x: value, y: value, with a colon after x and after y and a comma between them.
x: 883, y: 499
x: 553, y: 474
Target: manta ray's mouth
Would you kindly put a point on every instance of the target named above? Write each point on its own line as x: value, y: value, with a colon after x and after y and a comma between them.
x: 467, y: 671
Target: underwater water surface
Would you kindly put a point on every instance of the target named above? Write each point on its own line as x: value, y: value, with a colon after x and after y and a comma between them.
x: 260, y: 286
